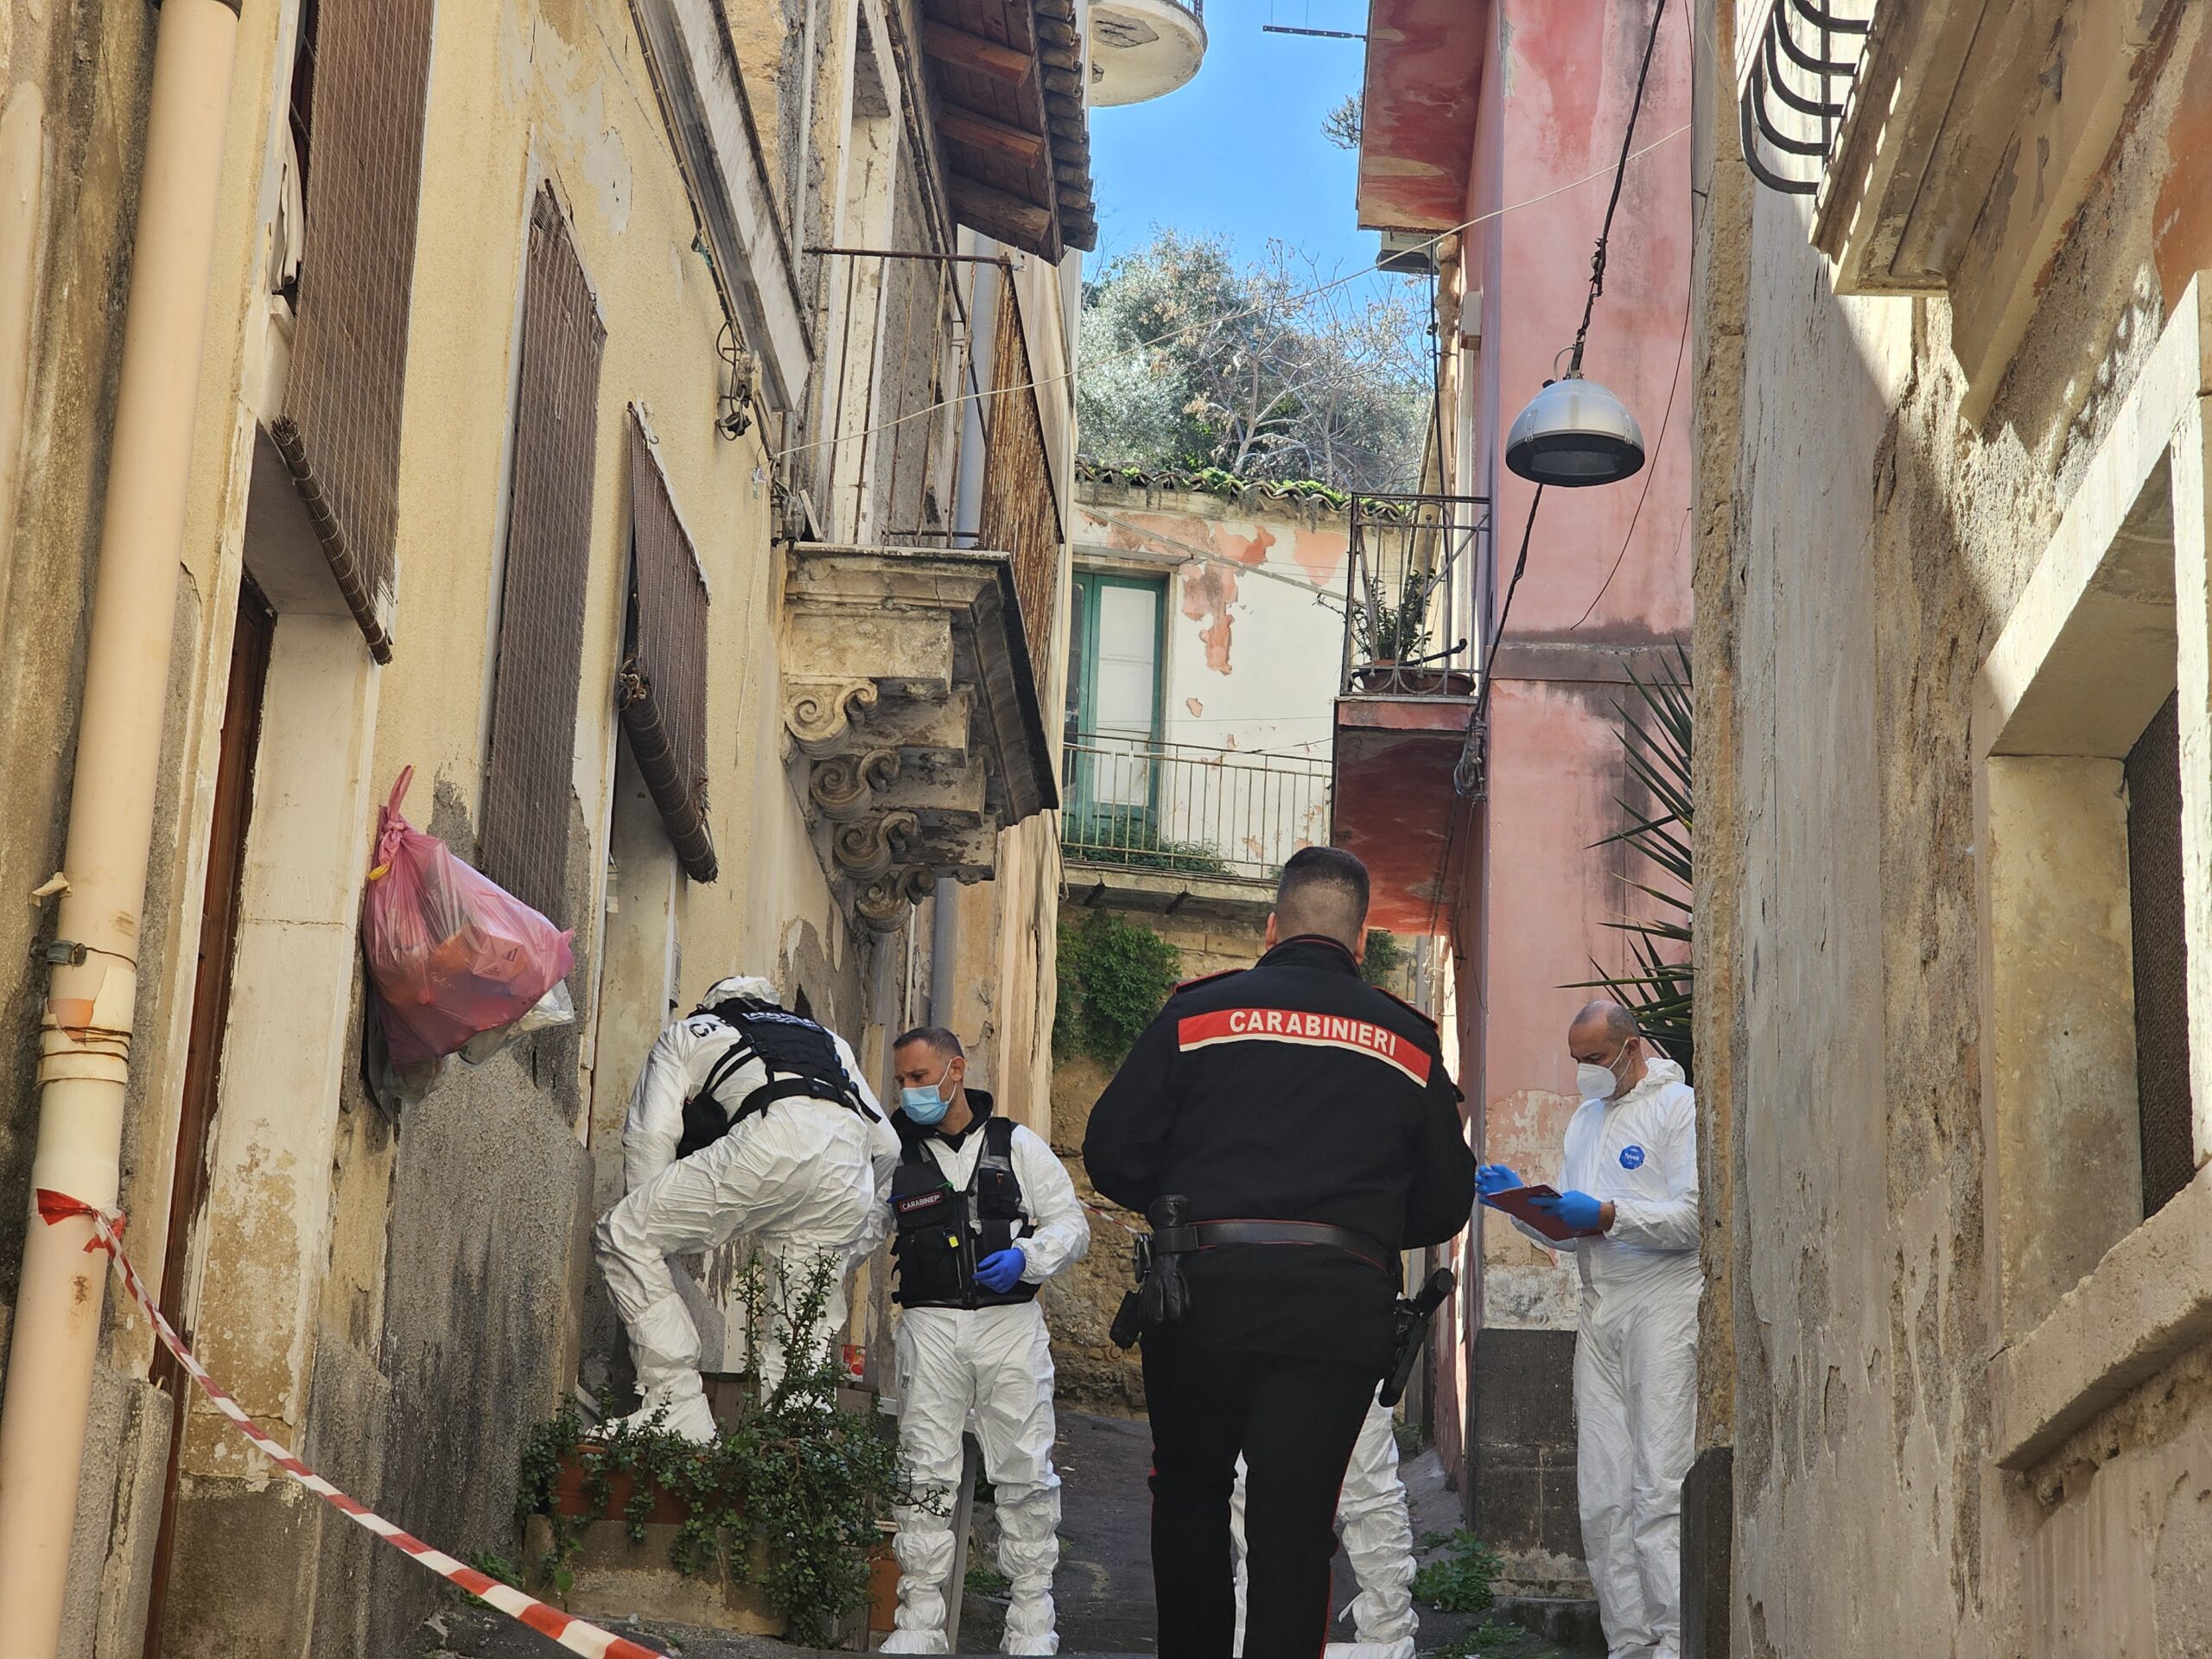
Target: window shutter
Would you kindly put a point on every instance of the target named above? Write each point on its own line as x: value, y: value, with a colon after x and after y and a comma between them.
x: 1018, y: 513
x: 664, y: 683
x: 344, y: 389
x: 2161, y: 957
x: 524, y: 837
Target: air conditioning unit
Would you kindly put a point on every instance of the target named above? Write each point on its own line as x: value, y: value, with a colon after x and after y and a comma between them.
x: 1407, y: 253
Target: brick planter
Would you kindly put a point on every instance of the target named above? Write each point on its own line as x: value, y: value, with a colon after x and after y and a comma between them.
x: 615, y: 1578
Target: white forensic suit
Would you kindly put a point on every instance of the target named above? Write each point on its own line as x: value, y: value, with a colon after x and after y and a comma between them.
x: 1378, y: 1539
x: 1636, y: 1353
x: 807, y: 1179
x: 996, y: 1364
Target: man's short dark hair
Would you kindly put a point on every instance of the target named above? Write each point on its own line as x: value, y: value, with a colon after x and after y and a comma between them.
x: 937, y: 1036
x: 1323, y: 890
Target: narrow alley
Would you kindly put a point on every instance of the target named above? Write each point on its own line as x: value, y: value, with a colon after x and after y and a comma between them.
x: 1224, y: 829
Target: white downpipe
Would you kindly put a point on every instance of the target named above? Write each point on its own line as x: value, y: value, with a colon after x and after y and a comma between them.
x: 84, y: 1036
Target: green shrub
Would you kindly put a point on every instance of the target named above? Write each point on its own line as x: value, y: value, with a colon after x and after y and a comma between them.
x: 1126, y: 837
x: 808, y: 1480
x: 1458, y: 1582
x: 1113, y: 976
x: 1385, y: 957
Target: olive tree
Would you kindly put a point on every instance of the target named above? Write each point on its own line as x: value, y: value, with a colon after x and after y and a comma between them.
x: 1267, y: 371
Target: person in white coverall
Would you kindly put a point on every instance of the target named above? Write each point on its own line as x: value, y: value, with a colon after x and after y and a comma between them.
x: 1378, y: 1541
x: 780, y: 1138
x: 985, y: 1214
x: 1629, y: 1181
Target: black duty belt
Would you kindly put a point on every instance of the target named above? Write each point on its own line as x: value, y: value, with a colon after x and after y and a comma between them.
x: 1163, y: 1296
x: 1375, y: 1253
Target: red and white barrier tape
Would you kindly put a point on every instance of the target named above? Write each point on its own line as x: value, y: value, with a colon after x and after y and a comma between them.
x: 573, y: 1634
x: 1111, y: 1219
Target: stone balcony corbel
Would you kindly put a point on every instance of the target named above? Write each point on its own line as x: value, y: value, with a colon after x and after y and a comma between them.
x: 916, y: 731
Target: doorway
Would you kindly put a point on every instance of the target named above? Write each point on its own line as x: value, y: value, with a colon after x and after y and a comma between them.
x: 252, y: 638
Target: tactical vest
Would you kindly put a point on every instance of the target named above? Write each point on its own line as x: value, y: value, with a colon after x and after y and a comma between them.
x: 801, y: 1059
x: 943, y: 1234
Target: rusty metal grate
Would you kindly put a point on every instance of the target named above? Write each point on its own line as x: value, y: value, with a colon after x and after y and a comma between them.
x: 370, y: 78
x: 2154, y: 903
x: 1018, y: 514
x: 524, y: 838
x: 663, y: 691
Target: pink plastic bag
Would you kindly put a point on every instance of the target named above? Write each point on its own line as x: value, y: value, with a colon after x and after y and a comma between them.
x: 451, y: 953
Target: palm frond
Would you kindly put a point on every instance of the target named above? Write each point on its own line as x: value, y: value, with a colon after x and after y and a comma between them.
x: 1659, y: 985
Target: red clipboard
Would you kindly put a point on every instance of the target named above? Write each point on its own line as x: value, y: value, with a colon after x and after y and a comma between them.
x: 1518, y: 1203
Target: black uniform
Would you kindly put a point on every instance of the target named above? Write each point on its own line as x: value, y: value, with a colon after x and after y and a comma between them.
x: 1292, y: 1090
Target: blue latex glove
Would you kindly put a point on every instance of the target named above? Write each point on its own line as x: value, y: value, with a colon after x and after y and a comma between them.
x: 1493, y: 1179
x: 1578, y: 1210
x: 1000, y: 1271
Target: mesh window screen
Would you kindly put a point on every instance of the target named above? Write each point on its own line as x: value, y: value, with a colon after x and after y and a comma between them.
x: 369, y: 79
x: 523, y: 840
x: 664, y: 686
x: 2154, y: 899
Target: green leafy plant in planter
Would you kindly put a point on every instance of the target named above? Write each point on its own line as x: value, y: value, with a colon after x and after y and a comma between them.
x: 797, y: 1480
x: 1388, y: 632
x: 1127, y: 836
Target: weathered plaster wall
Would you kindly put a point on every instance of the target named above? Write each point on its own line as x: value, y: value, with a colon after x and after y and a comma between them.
x: 72, y: 88
x: 1255, y: 614
x: 1860, y: 550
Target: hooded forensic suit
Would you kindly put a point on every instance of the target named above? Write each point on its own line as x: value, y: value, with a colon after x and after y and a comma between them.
x: 964, y: 1349
x: 1635, y: 1352
x: 805, y: 1175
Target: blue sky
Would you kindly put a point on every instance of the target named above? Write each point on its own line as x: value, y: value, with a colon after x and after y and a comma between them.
x: 1239, y: 150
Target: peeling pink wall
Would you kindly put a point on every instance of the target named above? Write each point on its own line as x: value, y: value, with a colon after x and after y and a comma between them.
x: 1559, y: 81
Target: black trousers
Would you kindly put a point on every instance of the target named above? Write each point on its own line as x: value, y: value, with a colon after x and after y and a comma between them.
x: 1294, y: 1421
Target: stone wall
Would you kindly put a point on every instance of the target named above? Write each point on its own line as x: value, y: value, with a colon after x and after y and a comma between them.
x: 1080, y: 1305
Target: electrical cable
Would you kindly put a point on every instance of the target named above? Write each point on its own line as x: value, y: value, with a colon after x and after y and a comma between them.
x: 1213, y: 322
x: 1475, y: 729
x: 1652, y: 468
x: 1620, y: 173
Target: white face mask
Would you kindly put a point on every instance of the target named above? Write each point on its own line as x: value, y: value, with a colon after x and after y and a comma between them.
x: 1599, y: 1082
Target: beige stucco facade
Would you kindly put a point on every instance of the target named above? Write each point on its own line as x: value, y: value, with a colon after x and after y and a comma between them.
x: 1950, y: 539
x: 401, y: 1299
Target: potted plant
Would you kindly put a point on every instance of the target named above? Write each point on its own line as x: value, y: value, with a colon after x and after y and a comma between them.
x: 773, y: 1530
x: 1390, y: 639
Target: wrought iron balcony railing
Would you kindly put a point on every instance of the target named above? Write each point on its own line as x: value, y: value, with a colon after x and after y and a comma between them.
x: 1182, y: 809
x: 1795, y: 83
x: 1411, y: 588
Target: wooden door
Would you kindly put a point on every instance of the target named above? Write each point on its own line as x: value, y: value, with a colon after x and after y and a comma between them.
x: 251, y: 641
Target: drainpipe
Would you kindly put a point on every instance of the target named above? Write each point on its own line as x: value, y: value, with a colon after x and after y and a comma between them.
x: 944, y: 951
x: 85, y: 1036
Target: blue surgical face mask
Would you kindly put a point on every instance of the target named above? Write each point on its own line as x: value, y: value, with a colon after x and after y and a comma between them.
x: 926, y: 1106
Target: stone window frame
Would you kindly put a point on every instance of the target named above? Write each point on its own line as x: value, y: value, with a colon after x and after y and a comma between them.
x: 2093, y: 1302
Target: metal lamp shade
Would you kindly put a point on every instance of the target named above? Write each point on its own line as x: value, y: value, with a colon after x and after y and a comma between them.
x: 1575, y: 433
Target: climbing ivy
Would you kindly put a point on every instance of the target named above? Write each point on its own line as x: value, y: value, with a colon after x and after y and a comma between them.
x: 797, y: 1477
x: 1384, y: 959
x: 1113, y: 977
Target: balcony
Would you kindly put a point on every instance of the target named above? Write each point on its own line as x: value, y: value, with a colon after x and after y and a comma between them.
x: 1794, y: 89
x: 1950, y: 146
x: 911, y: 707
x: 1171, y: 827
x: 1143, y: 49
x: 1413, y: 601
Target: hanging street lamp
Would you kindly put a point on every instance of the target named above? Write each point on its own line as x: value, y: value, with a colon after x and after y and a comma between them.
x: 1574, y: 432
